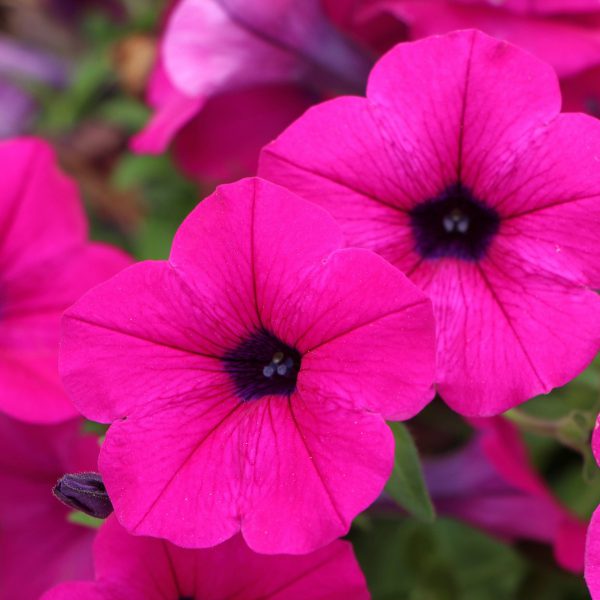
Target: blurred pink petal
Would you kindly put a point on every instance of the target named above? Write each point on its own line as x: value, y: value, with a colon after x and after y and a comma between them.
x: 141, y: 568
x: 46, y: 263
x: 570, y: 45
x: 533, y: 7
x: 213, y: 46
x: 491, y: 484
x: 38, y: 546
x: 173, y: 110
x: 224, y: 139
x: 592, y: 547
x: 207, y: 87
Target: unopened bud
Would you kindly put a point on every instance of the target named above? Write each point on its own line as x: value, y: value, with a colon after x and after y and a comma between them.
x: 84, y: 492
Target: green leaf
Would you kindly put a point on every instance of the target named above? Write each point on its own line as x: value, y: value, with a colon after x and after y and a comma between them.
x: 84, y: 520
x: 153, y: 240
x: 482, y: 566
x: 404, y: 559
x: 98, y: 429
x: 576, y: 429
x: 125, y: 112
x: 407, y: 485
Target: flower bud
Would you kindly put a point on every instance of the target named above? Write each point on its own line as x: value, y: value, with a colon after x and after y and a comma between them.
x: 84, y: 492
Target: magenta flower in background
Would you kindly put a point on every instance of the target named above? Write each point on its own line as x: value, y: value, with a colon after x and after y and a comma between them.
x: 46, y: 263
x: 259, y: 367
x: 217, y: 109
x: 226, y: 136
x: 38, y: 546
x: 592, y: 547
x: 565, y: 33
x: 142, y: 568
x: 491, y: 484
x: 459, y: 169
x: 232, y: 74
x: 570, y: 43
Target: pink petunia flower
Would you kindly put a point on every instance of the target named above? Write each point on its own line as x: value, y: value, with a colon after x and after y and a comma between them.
x: 258, y: 365
x: 491, y: 484
x: 375, y: 30
x: 592, y: 547
x: 142, y: 568
x: 38, y: 546
x: 231, y: 74
x: 459, y: 169
x: 46, y: 263
x: 570, y: 43
x: 225, y: 137
x: 565, y: 33
x: 532, y: 7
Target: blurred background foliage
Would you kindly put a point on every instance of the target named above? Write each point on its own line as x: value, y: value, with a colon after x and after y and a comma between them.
x: 138, y: 202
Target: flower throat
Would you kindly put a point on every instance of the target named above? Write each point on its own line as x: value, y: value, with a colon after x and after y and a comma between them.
x: 262, y: 365
x: 454, y: 224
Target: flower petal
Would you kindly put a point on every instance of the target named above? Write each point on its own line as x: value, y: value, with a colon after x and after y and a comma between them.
x: 248, y: 245
x: 32, y: 231
x: 569, y: 45
x: 505, y: 332
x: 224, y: 140
x: 206, y: 48
x: 393, y: 328
x: 174, y: 110
x: 592, y: 556
x: 550, y: 199
x: 162, y: 327
x: 315, y: 467
x: 187, y: 490
x: 38, y: 546
x: 147, y: 568
x: 275, y: 450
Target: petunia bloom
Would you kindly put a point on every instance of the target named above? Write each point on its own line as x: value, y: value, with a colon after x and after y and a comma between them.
x: 231, y: 74
x: 39, y: 547
x: 592, y: 547
x: 491, y: 484
x: 142, y: 568
x: 459, y: 169
x: 258, y: 365
x: 565, y: 33
x: 46, y: 263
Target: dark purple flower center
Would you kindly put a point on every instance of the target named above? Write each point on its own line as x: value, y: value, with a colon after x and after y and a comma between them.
x: 454, y: 224
x: 262, y: 365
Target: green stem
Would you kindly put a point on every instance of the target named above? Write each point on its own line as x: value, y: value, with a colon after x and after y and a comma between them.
x: 545, y: 427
